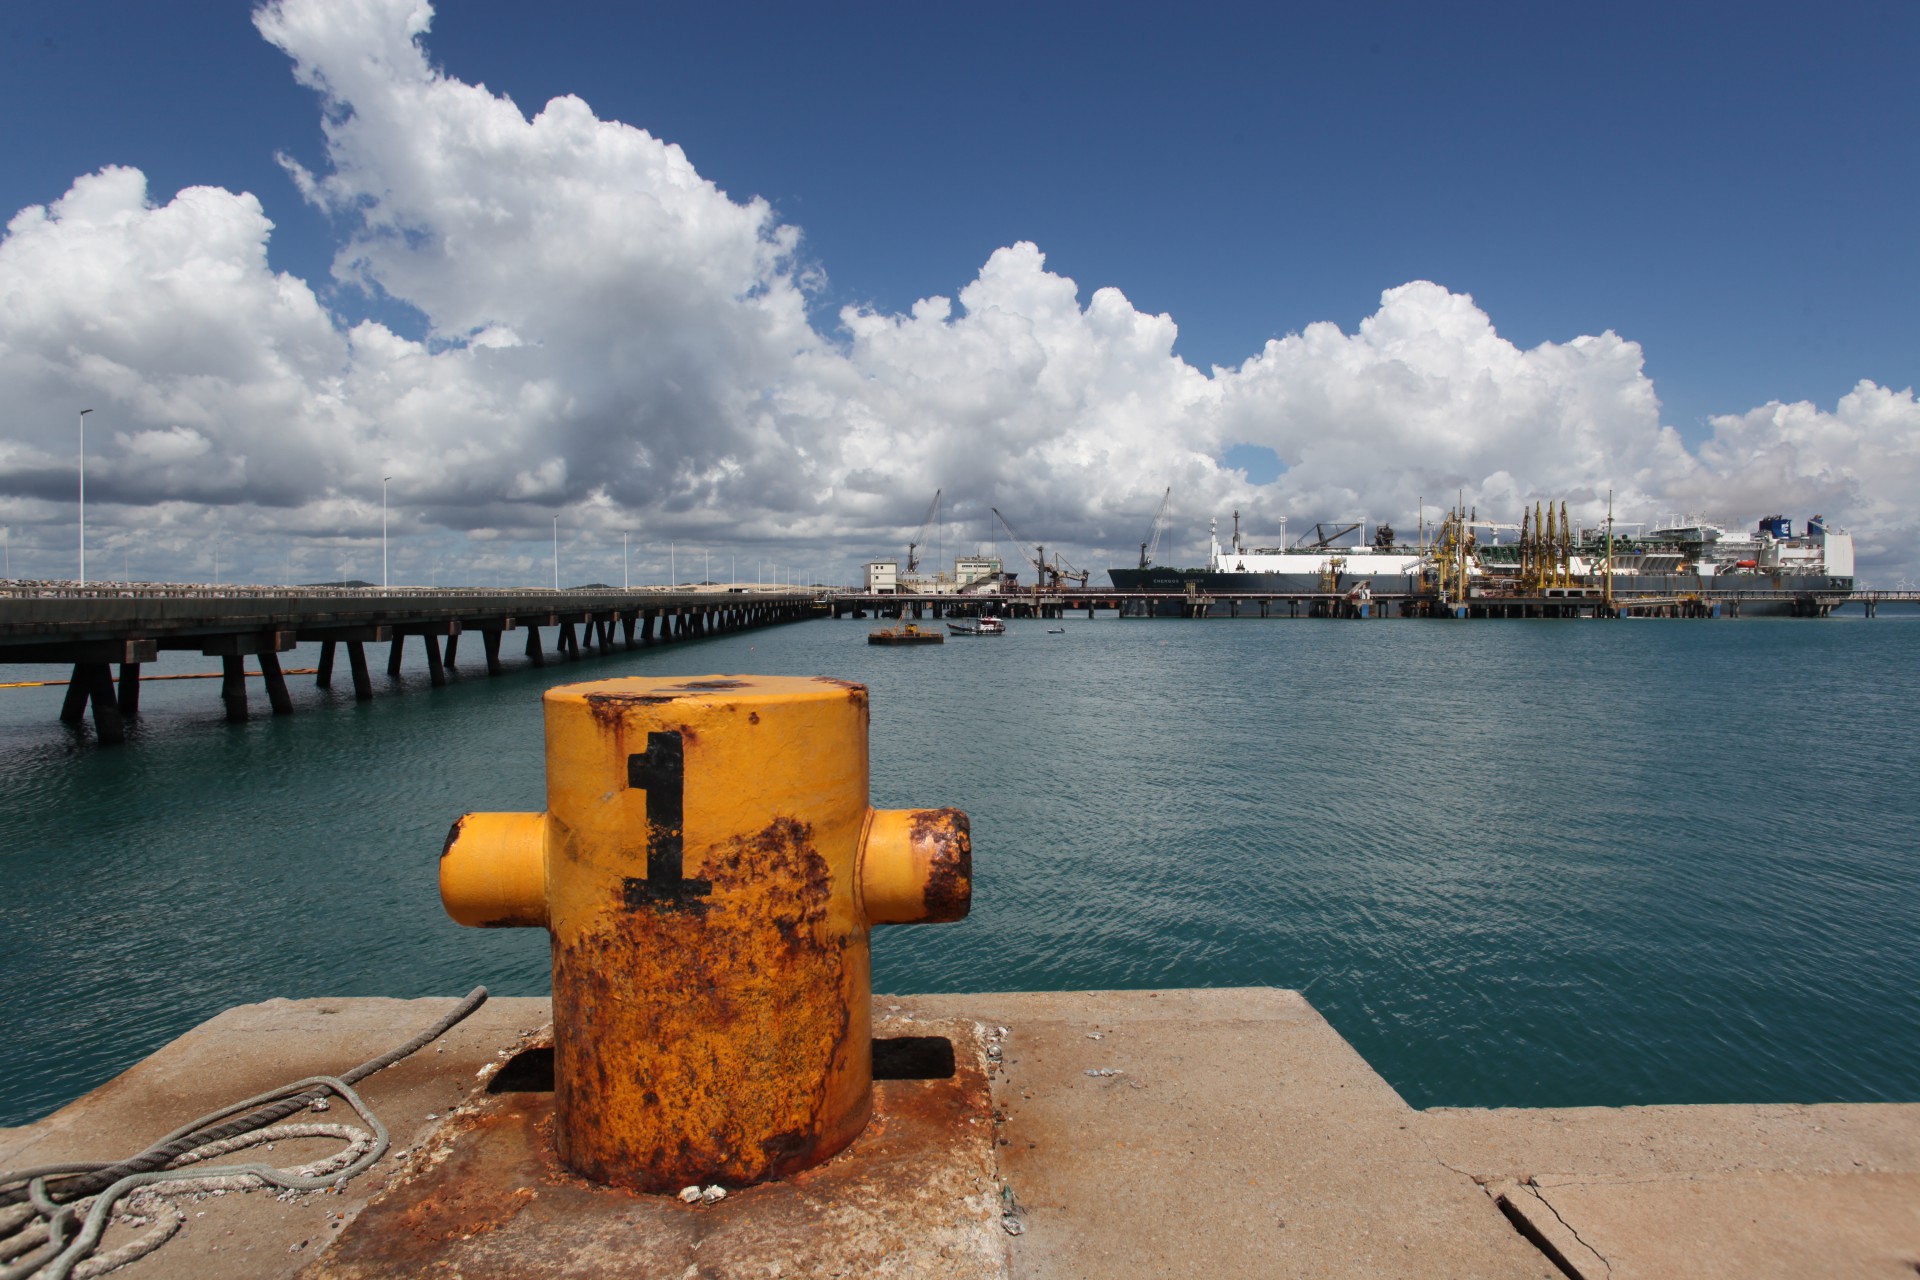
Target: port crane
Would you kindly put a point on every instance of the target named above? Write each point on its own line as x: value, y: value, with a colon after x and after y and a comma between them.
x: 920, y: 538
x: 1046, y: 576
x: 1151, y: 547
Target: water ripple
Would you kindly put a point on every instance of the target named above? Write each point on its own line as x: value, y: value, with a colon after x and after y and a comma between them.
x: 1516, y: 864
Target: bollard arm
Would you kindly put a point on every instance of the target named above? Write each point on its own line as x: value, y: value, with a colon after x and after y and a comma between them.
x: 493, y: 870
x: 916, y: 866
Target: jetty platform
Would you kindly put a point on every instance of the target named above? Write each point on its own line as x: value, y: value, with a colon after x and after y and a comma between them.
x: 1218, y: 1133
x: 1677, y: 600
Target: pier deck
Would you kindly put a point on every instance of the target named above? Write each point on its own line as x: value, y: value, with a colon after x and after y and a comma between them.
x: 96, y: 629
x: 1238, y: 1135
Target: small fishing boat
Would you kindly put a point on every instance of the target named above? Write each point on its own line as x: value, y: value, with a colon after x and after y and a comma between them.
x: 909, y: 634
x: 985, y: 626
x: 1056, y: 631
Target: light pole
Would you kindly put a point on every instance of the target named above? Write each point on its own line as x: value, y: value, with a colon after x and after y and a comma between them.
x: 626, y: 583
x: 83, y: 495
x: 556, y: 553
x: 383, y: 531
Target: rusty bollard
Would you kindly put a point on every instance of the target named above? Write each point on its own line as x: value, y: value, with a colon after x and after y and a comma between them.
x: 708, y: 867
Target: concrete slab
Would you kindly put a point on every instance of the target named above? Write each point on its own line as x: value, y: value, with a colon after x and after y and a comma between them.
x: 1751, y: 1191
x: 1748, y: 1226
x: 1239, y: 1135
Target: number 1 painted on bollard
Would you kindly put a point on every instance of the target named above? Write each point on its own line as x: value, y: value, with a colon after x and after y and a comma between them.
x: 662, y: 774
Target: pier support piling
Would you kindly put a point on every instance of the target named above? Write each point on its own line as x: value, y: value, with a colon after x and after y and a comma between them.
x: 323, y: 676
x: 534, y: 652
x: 436, y: 669
x: 453, y: 648
x: 129, y: 692
x: 490, y: 643
x: 107, y: 724
x: 233, y: 687
x: 74, y: 709
x: 362, y: 682
x: 276, y: 682
x: 395, y: 652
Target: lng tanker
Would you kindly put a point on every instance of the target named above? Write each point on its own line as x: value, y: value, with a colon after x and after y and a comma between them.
x: 1789, y: 570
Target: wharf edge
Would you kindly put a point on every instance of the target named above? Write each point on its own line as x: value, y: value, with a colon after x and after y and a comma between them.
x: 1225, y: 1132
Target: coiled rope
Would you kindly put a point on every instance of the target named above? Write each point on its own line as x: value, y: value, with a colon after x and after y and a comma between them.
x: 41, y: 1206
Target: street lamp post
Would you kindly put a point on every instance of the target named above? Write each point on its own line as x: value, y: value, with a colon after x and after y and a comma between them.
x: 83, y: 495
x: 383, y: 531
x: 556, y: 553
x: 626, y: 582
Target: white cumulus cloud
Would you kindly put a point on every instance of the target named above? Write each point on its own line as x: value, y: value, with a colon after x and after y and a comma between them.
x: 606, y: 335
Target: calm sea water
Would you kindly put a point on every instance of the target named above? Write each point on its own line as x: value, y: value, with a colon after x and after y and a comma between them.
x: 1515, y: 863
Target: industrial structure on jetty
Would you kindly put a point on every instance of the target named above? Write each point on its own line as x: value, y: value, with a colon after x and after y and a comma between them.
x: 1460, y: 567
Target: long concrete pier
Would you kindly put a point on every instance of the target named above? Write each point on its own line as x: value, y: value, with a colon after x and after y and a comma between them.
x: 98, y: 629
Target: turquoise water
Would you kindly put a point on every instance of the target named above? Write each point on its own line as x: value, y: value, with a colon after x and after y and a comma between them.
x: 1515, y: 863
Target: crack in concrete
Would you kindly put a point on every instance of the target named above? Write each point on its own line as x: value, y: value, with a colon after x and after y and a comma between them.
x: 1478, y: 1179
x: 1486, y: 1184
x: 1570, y: 1229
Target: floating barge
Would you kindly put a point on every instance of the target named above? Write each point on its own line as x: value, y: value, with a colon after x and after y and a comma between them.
x: 908, y: 634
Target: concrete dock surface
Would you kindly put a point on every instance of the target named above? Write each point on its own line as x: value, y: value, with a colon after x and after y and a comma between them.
x: 1216, y: 1133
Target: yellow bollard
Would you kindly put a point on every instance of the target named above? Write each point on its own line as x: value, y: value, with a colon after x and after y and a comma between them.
x: 709, y: 867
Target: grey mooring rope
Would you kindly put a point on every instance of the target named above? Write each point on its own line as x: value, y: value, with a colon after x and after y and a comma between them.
x: 39, y: 1206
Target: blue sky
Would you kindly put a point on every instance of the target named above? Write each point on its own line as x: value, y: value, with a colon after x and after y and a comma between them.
x: 1734, y: 187
x: 1731, y: 188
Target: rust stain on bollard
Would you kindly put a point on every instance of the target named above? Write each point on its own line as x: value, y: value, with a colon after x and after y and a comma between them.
x: 948, y: 841
x: 770, y: 1004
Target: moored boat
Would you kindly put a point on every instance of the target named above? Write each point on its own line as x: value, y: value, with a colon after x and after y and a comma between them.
x: 983, y: 626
